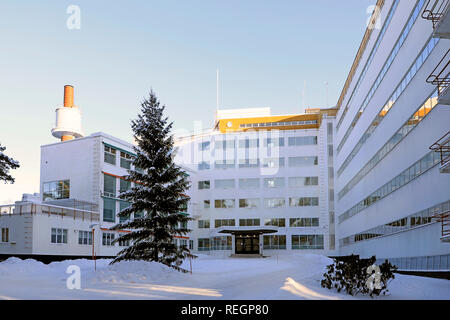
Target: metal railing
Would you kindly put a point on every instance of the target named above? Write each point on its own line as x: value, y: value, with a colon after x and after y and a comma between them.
x: 50, y: 210
x: 443, y: 147
x: 435, y: 10
x: 444, y: 218
x: 440, y: 76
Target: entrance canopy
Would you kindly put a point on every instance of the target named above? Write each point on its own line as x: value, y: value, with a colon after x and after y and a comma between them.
x: 247, y: 230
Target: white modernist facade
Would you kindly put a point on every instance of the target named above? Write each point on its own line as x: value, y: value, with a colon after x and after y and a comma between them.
x: 262, y: 183
x: 368, y: 177
x: 392, y: 191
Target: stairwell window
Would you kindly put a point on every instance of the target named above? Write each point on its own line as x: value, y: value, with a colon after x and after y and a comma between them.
x: 59, y: 235
x: 5, y: 234
x: 202, y: 185
x: 109, y: 185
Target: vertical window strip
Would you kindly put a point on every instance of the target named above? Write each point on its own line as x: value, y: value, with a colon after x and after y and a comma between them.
x: 387, y: 64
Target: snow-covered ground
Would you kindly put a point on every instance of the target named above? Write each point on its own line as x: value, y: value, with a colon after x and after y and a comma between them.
x: 283, y: 277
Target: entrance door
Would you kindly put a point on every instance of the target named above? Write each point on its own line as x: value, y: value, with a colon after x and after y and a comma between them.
x: 247, y: 243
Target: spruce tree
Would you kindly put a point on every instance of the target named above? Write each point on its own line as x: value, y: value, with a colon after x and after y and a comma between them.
x: 6, y: 164
x: 158, y: 195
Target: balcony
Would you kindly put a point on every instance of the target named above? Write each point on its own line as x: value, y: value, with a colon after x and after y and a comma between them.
x: 440, y: 77
x: 437, y: 11
x: 443, y: 147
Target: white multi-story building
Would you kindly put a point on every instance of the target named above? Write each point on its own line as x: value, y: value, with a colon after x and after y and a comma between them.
x: 368, y: 177
x: 262, y: 183
x: 392, y: 191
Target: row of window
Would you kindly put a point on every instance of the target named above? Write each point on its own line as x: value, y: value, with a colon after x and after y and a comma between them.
x: 254, y: 143
x: 387, y: 65
x: 369, y: 60
x: 428, y: 161
x: 255, y: 163
x: 277, y: 222
x: 125, y: 159
x: 403, y: 83
x: 414, y: 220
x: 277, y: 182
x: 277, y: 242
x: 421, y: 263
x: 59, y: 235
x: 268, y: 202
x: 277, y: 124
x: 401, y: 133
x: 110, y: 210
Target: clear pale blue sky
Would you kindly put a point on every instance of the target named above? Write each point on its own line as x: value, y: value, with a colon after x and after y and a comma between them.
x: 265, y: 50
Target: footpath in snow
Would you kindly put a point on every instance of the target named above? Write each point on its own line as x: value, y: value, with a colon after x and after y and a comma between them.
x: 283, y: 277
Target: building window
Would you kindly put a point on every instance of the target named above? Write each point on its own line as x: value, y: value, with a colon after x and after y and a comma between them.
x: 203, y: 146
x: 273, y: 182
x: 249, y: 203
x: 125, y: 185
x: 203, y: 224
x: 297, y: 182
x: 5, y: 234
x: 304, y: 202
x: 314, y: 241
x: 302, y: 141
x: 273, y: 163
x: 203, y: 244
x: 204, y: 185
x: 252, y: 183
x: 59, y: 235
x: 248, y: 163
x: 224, y: 184
x: 248, y: 143
x: 122, y: 206
x: 274, y: 142
x: 107, y: 239
x: 274, y: 242
x: 110, y: 155
x: 124, y: 243
x: 125, y: 160
x: 224, y: 164
x: 109, y: 210
x: 304, y: 222
x: 109, y: 185
x: 224, y: 203
x: 204, y: 165
x: 274, y: 202
x: 191, y: 244
x: 224, y: 144
x: 224, y: 223
x: 206, y: 204
x: 302, y: 161
x: 249, y: 222
x: 221, y: 243
x: 85, y: 237
x: 56, y: 190
x: 276, y: 222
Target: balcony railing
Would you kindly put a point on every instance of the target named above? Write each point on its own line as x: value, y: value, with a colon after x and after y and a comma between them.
x: 50, y: 210
x: 443, y: 147
x: 444, y: 218
x: 435, y: 10
x: 440, y: 76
